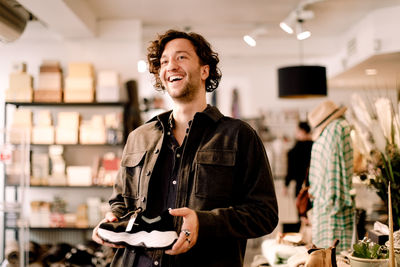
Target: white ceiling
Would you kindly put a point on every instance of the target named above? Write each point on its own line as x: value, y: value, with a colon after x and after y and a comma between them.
x: 212, y: 18
x: 233, y: 18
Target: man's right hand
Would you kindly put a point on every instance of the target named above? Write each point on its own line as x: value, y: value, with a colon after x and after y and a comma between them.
x: 285, y: 191
x: 110, y: 217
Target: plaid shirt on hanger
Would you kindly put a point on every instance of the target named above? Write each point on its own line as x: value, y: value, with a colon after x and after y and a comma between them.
x: 330, y: 178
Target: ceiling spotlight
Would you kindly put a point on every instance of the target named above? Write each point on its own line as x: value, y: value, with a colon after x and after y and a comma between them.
x: 300, y: 32
x: 303, y: 35
x: 250, y: 39
x: 284, y: 26
x: 371, y: 72
x: 296, y: 17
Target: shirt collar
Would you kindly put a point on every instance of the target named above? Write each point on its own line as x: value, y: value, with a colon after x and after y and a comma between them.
x: 210, y: 112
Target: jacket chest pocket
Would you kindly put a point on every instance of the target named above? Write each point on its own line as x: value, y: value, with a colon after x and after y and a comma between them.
x: 214, y: 174
x: 133, y: 164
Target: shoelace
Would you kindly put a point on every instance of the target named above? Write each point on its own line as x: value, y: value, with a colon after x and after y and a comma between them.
x: 132, y: 220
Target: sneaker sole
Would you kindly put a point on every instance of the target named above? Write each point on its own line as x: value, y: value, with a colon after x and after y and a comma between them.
x: 154, y: 239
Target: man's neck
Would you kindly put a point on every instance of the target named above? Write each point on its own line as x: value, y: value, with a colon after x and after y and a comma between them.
x: 184, y: 112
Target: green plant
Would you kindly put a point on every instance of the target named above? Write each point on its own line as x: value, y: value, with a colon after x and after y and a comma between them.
x: 369, y: 250
x: 388, y: 169
x: 377, y: 137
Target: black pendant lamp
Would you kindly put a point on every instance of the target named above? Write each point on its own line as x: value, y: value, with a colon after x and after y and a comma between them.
x: 302, y: 81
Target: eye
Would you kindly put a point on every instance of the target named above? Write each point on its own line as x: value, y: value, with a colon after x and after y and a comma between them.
x: 164, y: 61
x: 181, y: 57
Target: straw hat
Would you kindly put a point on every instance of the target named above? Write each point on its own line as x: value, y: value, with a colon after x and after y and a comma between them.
x: 322, y: 115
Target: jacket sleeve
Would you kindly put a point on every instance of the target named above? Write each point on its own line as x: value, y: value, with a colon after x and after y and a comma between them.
x: 254, y: 211
x: 116, y: 200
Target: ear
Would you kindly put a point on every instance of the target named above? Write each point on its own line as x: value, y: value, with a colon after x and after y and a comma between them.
x: 205, y: 72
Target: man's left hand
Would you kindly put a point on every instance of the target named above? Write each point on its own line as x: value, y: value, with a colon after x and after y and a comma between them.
x: 189, y: 232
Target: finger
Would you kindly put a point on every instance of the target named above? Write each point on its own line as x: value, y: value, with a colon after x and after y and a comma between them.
x: 96, y: 238
x: 181, y: 245
x: 179, y: 212
x: 100, y: 241
x: 178, y: 248
x: 110, y: 217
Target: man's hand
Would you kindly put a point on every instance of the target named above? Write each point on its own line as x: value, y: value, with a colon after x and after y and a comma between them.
x: 110, y: 217
x: 189, y: 233
x: 285, y: 191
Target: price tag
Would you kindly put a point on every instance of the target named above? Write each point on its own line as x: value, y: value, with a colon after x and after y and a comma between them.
x: 6, y: 154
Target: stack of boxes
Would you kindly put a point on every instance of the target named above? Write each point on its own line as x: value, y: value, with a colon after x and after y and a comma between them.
x: 79, y: 85
x: 50, y: 83
x: 57, y: 163
x: 40, y: 165
x: 79, y: 176
x: 43, y: 131
x: 67, y: 128
x: 22, y: 121
x: 108, y: 87
x: 20, y: 85
x: 93, y: 131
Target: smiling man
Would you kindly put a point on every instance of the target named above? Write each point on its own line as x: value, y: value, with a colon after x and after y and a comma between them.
x: 193, y: 185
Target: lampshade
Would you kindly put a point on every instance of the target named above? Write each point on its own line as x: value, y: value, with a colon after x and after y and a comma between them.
x: 302, y: 81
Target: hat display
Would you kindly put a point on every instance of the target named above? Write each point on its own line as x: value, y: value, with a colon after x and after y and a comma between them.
x: 322, y: 115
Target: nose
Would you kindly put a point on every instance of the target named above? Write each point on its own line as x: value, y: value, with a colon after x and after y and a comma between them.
x: 172, y: 64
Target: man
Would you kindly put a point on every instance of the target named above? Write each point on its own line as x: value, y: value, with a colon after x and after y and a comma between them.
x: 299, y: 158
x: 330, y: 177
x: 211, y: 170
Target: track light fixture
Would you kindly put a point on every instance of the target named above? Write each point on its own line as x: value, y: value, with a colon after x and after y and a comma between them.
x: 294, y: 21
x: 250, y: 38
x: 288, y: 24
x: 301, y: 34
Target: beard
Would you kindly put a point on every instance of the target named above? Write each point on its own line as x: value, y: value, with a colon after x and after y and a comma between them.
x: 185, y: 94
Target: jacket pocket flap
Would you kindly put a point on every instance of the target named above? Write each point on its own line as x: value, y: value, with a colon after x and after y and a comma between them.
x: 216, y: 157
x: 132, y: 159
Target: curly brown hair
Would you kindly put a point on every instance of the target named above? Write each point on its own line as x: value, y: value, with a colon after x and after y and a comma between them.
x: 203, y: 51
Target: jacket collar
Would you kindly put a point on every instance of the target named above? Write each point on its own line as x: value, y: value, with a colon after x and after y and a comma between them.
x: 210, y: 112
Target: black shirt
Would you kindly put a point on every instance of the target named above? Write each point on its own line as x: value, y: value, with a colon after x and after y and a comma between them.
x: 298, y: 164
x: 164, y: 181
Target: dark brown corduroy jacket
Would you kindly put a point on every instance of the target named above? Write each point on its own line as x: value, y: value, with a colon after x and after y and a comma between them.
x: 225, y: 177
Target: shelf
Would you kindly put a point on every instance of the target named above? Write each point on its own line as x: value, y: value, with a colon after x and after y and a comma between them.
x: 64, y: 186
x: 59, y: 228
x: 78, y: 145
x: 53, y: 228
x: 69, y: 186
x: 80, y: 104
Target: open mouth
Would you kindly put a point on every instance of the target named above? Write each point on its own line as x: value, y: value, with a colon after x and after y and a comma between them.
x: 174, y: 78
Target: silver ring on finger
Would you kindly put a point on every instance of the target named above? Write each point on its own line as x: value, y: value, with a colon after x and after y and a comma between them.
x: 186, y: 232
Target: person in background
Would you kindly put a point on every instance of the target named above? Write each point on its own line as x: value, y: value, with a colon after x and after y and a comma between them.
x: 330, y: 177
x: 298, y: 158
x: 211, y: 170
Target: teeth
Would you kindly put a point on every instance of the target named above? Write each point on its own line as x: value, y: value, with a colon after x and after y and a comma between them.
x: 174, y: 78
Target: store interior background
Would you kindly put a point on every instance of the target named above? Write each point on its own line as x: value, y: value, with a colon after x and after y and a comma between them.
x: 348, y: 36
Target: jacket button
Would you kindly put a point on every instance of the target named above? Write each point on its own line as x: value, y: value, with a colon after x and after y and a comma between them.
x: 148, y: 173
x: 143, y: 199
x: 156, y: 151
